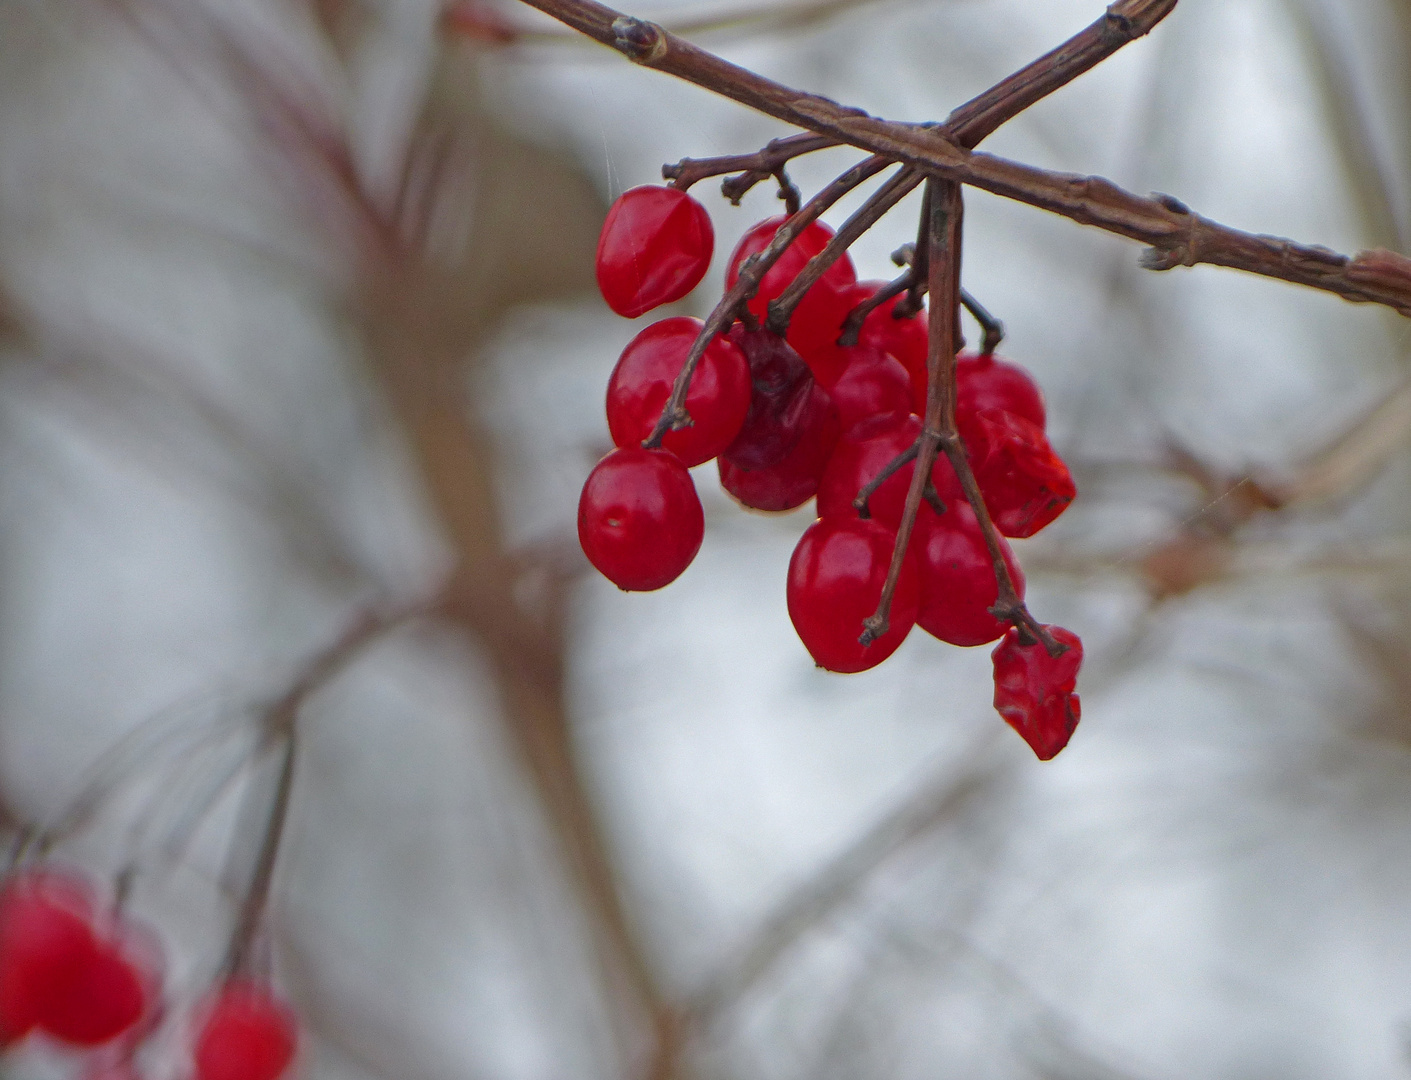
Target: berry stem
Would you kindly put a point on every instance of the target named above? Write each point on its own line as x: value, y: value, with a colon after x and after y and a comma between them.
x: 752, y: 168
x: 852, y: 325
x: 781, y: 309
x: 887, y: 472
x: 732, y: 304
x: 991, y: 327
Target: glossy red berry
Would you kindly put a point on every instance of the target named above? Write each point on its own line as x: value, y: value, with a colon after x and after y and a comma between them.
x: 246, y: 1034
x: 654, y: 248
x: 905, y: 340
x: 791, y: 482
x: 1025, y: 483
x: 46, y: 940
x: 639, y: 518
x: 835, y: 582
x: 873, y: 387
x: 958, y: 585
x: 640, y: 385
x: 861, y: 455
x: 1034, y: 691
x: 985, y: 382
x: 783, y: 401
x: 821, y: 310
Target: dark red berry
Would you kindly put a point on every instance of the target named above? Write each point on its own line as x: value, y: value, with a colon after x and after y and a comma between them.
x: 639, y: 518
x: 782, y: 400
x: 1025, y: 483
x: 789, y: 483
x: 46, y: 940
x: 641, y: 383
x: 861, y: 455
x: 984, y: 382
x: 822, y: 307
x: 958, y: 585
x: 835, y: 581
x: 905, y: 340
x: 654, y: 248
x: 246, y: 1034
x: 873, y: 386
x: 1034, y: 691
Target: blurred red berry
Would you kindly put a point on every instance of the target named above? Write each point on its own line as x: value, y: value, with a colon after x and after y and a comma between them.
x: 246, y: 1034
x: 640, y: 384
x: 46, y: 940
x: 1034, y: 691
x: 639, y: 518
x: 861, y: 455
x: 655, y: 247
x: 905, y: 340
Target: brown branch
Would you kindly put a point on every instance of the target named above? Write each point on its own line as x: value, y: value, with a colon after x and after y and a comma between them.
x: 1177, y: 236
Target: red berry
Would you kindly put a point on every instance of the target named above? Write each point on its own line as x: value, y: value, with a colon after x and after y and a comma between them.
x: 247, y: 1034
x: 112, y: 991
x: 654, y: 248
x: 641, y: 383
x: 1025, y: 484
x: 905, y: 340
x: 983, y: 383
x: 835, y: 581
x: 873, y: 386
x: 1034, y: 691
x: 958, y: 585
x: 789, y: 483
x: 822, y: 308
x: 46, y: 939
x: 639, y: 519
x: 783, y: 401
x: 861, y: 455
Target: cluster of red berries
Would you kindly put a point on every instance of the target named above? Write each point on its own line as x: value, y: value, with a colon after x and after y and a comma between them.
x: 799, y: 416
x: 86, y: 978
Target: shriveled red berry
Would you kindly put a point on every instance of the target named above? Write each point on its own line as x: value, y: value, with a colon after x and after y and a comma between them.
x: 985, y: 382
x: 791, y: 482
x: 1034, y: 691
x: 873, y: 386
x: 640, y: 385
x: 246, y: 1034
x: 639, y: 518
x: 822, y: 307
x: 46, y: 940
x: 782, y: 400
x: 958, y: 585
x: 835, y: 582
x: 905, y: 340
x: 654, y: 248
x: 861, y: 455
x: 1025, y: 483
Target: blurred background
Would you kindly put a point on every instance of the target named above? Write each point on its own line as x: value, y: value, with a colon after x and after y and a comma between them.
x: 298, y: 335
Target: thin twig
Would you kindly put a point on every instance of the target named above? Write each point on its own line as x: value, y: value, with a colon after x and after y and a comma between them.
x: 990, y: 327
